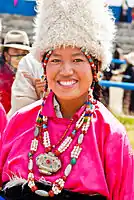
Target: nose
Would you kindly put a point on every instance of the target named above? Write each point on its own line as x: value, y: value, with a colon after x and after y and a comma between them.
x: 66, y: 69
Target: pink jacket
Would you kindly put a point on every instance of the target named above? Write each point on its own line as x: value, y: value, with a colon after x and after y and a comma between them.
x: 3, y: 118
x: 105, y: 165
x: 3, y: 122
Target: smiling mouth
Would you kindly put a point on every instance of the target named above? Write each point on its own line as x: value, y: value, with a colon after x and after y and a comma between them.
x: 67, y: 83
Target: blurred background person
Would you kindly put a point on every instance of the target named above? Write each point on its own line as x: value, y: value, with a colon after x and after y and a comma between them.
x: 16, y: 45
x: 114, y: 69
x: 28, y: 86
x: 128, y: 99
x: 122, y: 9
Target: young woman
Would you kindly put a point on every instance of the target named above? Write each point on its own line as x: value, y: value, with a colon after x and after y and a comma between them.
x: 68, y: 145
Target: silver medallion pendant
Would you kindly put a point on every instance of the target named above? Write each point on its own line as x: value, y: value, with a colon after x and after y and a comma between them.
x: 48, y: 163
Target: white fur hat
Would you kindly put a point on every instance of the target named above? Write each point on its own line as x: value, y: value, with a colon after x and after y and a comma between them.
x: 80, y: 23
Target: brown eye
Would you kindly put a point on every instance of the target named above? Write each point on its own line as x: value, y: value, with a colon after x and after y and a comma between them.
x: 55, y: 61
x: 78, y: 60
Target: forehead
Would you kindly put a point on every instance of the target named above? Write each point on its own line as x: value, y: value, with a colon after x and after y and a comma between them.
x: 17, y: 51
x: 67, y: 51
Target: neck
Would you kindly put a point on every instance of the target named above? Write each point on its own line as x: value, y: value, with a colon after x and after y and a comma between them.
x: 70, y: 107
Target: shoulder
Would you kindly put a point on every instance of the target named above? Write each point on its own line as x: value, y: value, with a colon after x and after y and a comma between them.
x: 3, y: 118
x: 28, y: 110
x: 22, y: 120
x: 29, y: 60
x: 29, y: 64
x: 106, y: 118
x: 2, y: 111
x: 25, y: 62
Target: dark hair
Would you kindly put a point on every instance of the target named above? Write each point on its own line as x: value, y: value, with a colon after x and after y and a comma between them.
x: 5, y: 49
x: 2, y: 57
x: 97, y: 92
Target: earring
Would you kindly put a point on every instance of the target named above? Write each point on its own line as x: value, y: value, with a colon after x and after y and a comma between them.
x: 90, y: 94
x: 44, y: 79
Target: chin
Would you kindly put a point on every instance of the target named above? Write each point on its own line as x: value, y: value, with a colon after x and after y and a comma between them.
x: 67, y: 96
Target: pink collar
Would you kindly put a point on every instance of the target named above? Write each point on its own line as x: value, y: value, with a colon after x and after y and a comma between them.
x: 49, y: 110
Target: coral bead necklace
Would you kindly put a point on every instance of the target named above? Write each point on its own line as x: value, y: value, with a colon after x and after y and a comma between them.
x: 49, y: 162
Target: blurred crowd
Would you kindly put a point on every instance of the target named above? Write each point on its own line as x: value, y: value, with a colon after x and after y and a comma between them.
x: 122, y: 70
x: 21, y: 81
x: 123, y: 10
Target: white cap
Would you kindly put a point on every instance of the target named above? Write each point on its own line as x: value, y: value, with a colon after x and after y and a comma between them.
x: 17, y: 39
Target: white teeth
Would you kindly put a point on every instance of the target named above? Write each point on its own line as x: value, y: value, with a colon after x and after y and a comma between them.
x: 67, y: 83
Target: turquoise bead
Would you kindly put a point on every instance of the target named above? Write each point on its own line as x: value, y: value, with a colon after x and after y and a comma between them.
x: 74, y: 132
x: 73, y: 161
x: 30, y: 154
x: 44, y: 126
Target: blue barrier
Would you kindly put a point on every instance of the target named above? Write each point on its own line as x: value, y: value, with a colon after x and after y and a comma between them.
x: 123, y: 85
x: 118, y: 61
x: 23, y: 7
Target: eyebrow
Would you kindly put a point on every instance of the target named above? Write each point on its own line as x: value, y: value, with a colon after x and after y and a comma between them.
x: 77, y: 54
x: 73, y: 55
x: 56, y: 55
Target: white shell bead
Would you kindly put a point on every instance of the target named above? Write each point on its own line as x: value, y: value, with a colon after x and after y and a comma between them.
x: 30, y: 165
x: 80, y: 139
x: 36, y: 132
x: 68, y: 170
x: 42, y: 193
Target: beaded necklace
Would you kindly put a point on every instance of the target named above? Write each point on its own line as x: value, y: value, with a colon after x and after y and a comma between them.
x: 49, y: 162
x: 50, y: 158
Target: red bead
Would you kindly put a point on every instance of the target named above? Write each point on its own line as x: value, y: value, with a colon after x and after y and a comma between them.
x: 51, y: 193
x: 48, y: 149
x: 64, y: 178
x: 34, y: 188
x: 88, y: 56
x: 72, y: 136
x: 57, y: 153
x: 48, y: 162
x: 44, y: 129
x: 84, y: 132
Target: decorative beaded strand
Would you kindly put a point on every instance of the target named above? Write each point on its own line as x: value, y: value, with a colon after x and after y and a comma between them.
x: 58, y: 185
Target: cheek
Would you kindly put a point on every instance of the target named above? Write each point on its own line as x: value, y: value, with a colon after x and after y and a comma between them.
x: 86, y: 75
x: 51, y: 74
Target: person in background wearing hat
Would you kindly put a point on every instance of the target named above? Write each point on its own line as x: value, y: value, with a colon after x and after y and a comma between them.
x: 16, y: 45
x: 128, y: 100
x: 28, y: 85
x: 68, y: 145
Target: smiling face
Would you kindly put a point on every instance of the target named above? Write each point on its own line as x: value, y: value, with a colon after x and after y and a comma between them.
x: 69, y: 73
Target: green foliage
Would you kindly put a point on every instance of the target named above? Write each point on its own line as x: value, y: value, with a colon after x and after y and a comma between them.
x: 128, y: 122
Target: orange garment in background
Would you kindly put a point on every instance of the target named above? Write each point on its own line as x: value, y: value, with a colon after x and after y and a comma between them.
x: 6, y: 81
